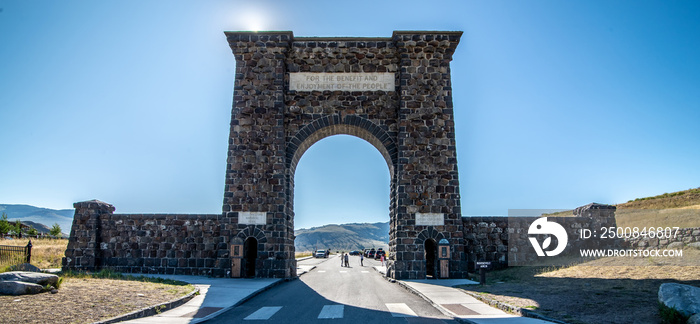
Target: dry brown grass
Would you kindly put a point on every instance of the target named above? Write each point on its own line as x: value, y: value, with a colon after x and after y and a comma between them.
x: 87, y: 300
x: 676, y: 209
x: 46, y: 253
x: 298, y: 255
x: 609, y: 290
x: 683, y: 217
x: 677, y: 199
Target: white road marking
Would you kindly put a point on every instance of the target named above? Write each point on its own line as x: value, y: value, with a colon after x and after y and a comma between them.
x: 331, y: 311
x: 343, y: 272
x: 400, y: 310
x: 365, y: 271
x: 319, y: 271
x: 264, y: 313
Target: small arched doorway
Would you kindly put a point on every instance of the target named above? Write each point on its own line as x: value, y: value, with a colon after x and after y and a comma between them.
x: 430, y: 247
x: 250, y: 253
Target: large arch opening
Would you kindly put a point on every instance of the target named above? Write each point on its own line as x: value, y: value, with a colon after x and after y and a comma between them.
x: 340, y: 179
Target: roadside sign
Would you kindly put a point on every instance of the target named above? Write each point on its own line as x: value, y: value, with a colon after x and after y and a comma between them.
x: 483, y: 264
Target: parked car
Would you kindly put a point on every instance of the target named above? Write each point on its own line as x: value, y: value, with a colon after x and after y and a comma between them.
x: 321, y: 254
x: 371, y: 253
x: 378, y: 255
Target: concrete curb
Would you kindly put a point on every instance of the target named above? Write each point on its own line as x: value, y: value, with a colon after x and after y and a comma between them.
x: 243, y: 300
x: 491, y: 302
x: 152, y: 310
x: 304, y: 258
x: 419, y: 294
x: 157, y: 309
x: 247, y: 298
x: 439, y: 307
x: 512, y: 309
x: 305, y: 272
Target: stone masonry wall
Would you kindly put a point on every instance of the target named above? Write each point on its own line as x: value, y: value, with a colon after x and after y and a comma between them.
x: 256, y: 172
x: 146, y: 243
x: 684, y: 237
x: 170, y: 244
x: 83, y: 251
x: 501, y: 240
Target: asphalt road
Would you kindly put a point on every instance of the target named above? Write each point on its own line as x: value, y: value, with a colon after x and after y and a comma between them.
x: 334, y: 294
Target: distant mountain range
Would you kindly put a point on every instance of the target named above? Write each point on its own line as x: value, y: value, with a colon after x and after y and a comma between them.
x: 35, y: 216
x: 345, y: 237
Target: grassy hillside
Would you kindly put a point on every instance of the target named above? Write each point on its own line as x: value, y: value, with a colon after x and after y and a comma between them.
x: 681, y: 208
x: 343, y: 237
x: 682, y: 199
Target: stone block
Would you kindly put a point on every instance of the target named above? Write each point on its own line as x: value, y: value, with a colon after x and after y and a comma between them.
x: 39, y: 278
x: 684, y: 298
x: 17, y: 288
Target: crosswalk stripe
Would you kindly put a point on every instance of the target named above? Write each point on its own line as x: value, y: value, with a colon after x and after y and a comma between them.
x: 400, y: 310
x: 264, y: 313
x: 343, y: 272
x: 365, y: 271
x: 331, y: 311
x: 319, y: 271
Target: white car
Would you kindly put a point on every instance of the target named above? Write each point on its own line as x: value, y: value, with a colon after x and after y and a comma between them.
x: 320, y: 254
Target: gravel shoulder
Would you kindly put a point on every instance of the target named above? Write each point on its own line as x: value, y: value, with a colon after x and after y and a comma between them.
x: 598, y: 292
x: 87, y: 300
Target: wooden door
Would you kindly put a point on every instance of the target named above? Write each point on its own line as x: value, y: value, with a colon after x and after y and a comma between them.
x: 236, y: 260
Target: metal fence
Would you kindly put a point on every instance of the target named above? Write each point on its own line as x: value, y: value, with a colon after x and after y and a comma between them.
x: 11, y: 255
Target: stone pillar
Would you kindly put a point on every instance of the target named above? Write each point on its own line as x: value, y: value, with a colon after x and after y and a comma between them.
x: 602, y: 215
x: 428, y: 182
x: 255, y: 170
x: 83, y: 252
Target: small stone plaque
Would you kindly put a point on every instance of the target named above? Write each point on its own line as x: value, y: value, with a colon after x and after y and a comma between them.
x: 430, y: 219
x: 361, y: 81
x: 252, y: 218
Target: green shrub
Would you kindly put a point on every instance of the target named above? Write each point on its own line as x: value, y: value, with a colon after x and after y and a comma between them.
x: 671, y: 315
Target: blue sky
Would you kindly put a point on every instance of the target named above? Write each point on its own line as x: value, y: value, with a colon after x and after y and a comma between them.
x: 557, y: 103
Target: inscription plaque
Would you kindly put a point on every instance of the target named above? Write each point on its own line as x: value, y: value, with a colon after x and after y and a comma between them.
x: 252, y: 218
x: 430, y: 219
x: 361, y: 81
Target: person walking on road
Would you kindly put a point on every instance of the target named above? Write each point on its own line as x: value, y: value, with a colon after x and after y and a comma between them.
x: 362, y: 258
x: 342, y: 259
x: 347, y: 261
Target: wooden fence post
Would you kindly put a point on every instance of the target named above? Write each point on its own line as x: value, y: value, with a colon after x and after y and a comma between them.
x: 29, y: 251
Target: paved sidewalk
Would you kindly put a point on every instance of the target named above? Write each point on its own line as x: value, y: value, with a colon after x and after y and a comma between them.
x: 459, y: 305
x: 216, y: 295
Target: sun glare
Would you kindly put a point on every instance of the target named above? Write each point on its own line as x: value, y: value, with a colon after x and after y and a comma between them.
x: 253, y: 21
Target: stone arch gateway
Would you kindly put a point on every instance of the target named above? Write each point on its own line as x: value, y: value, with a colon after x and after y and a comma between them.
x: 393, y: 92
x: 289, y: 93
